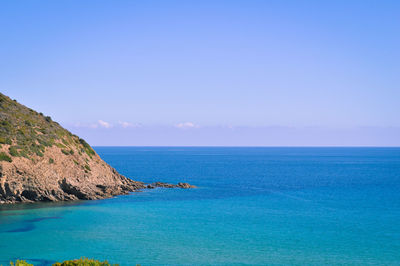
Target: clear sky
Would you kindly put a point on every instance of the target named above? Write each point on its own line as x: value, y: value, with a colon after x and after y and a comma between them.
x: 208, y: 72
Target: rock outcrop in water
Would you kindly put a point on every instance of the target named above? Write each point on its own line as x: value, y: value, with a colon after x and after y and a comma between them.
x: 42, y: 161
x: 166, y: 185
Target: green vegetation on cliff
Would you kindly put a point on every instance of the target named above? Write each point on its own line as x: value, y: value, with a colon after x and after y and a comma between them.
x: 28, y: 133
x: 42, y: 161
x: 5, y: 157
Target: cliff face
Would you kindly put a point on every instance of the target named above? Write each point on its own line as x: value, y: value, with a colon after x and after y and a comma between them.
x: 41, y: 161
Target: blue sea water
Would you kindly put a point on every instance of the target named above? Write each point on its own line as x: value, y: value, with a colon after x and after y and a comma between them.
x: 254, y: 206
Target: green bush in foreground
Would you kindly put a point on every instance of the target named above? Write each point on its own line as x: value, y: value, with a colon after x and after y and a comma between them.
x: 77, y: 262
x: 20, y: 263
x: 83, y: 262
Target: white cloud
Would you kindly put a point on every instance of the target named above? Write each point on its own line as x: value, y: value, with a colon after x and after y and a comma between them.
x: 125, y: 124
x: 83, y: 125
x: 104, y: 124
x: 99, y: 123
x: 186, y: 125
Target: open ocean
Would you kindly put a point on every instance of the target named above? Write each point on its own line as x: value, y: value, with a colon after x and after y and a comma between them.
x: 254, y: 206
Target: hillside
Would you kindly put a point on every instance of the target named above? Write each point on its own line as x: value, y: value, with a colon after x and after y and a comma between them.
x: 42, y: 161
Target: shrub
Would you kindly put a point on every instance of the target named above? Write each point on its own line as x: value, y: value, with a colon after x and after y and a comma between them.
x: 5, y: 157
x: 87, y: 167
x: 5, y: 141
x: 45, y: 142
x: 37, y: 149
x: 77, y: 262
x: 24, y: 153
x: 13, y: 151
x: 5, y: 123
x: 65, y: 152
x: 51, y: 160
x: 6, y: 126
x: 87, y: 147
x: 84, y: 262
x: 80, y: 262
x: 60, y: 145
x: 84, y: 143
x: 20, y: 263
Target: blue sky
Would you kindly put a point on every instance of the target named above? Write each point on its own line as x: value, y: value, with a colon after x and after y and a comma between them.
x: 275, y: 73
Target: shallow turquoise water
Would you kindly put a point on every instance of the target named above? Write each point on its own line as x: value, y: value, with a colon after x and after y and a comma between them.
x: 253, y: 206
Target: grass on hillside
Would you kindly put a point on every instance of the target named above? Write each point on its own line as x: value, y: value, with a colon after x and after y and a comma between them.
x: 30, y: 133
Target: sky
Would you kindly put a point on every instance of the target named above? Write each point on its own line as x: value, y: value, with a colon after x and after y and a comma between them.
x: 208, y: 73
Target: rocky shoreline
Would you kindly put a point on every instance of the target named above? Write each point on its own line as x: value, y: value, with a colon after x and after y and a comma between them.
x: 72, y: 193
x: 42, y: 161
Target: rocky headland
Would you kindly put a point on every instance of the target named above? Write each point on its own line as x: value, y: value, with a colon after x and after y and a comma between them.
x: 42, y: 161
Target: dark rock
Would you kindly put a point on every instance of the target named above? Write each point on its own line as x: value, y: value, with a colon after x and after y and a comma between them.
x: 164, y: 185
x: 185, y: 185
x: 167, y: 185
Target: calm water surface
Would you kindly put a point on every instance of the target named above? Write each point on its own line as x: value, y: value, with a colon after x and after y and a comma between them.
x: 254, y: 206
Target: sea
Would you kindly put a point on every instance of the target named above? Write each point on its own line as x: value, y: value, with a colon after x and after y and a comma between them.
x: 253, y: 206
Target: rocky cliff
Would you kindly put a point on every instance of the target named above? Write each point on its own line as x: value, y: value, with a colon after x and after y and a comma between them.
x: 42, y: 161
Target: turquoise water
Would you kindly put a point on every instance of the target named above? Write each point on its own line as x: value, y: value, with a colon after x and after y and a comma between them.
x: 254, y: 206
